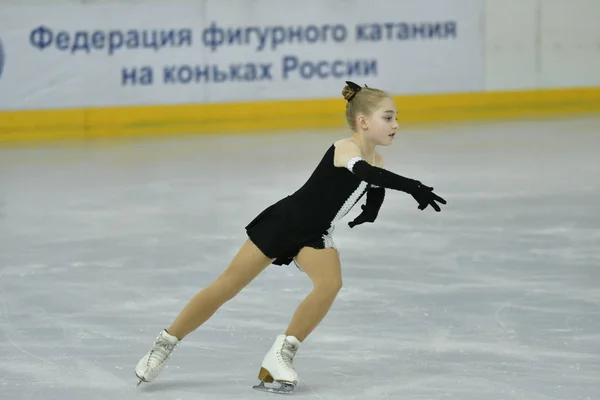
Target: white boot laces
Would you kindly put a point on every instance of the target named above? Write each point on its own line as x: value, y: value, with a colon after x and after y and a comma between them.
x: 160, y: 352
x: 288, y: 351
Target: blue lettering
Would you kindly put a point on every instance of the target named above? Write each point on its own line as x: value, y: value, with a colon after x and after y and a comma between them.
x: 307, y: 70
x: 337, y: 69
x: 143, y: 76
x: 262, y: 38
x: 448, y: 29
x: 324, y: 69
x: 294, y: 33
x: 235, y: 72
x: 62, y: 40
x: 265, y: 72
x: 43, y: 37
x: 376, y: 32
x: 149, y: 39
x: 312, y: 34
x: 218, y: 75
x: 186, y: 74
x: 166, y: 38
x: 133, y: 40
x: 185, y: 37
x: 339, y: 33
x: 354, y: 68
x: 201, y: 72
x: 127, y: 76
x: 84, y: 39
x: 98, y: 40
x: 213, y: 37
x: 277, y: 36
x: 361, y: 33
x: 115, y: 41
x: 369, y: 68
x: 169, y: 75
x: 406, y: 31
x: 234, y: 36
x: 146, y: 76
x: 271, y: 37
x: 389, y: 30
x: 290, y: 63
x: 249, y: 31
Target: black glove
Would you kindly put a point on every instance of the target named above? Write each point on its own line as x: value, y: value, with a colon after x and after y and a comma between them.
x: 383, y: 178
x: 363, y: 217
x: 370, y: 210
x: 425, y: 197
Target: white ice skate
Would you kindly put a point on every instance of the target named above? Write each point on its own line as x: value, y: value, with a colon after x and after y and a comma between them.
x: 278, y: 366
x: 154, y: 361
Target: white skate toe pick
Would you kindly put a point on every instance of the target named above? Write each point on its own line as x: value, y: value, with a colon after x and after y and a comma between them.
x: 277, y: 369
x: 148, y: 368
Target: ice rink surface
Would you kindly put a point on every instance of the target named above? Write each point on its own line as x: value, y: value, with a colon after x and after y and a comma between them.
x: 497, y: 297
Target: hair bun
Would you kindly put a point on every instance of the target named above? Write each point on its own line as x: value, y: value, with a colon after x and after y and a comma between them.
x: 350, y: 90
x: 348, y: 93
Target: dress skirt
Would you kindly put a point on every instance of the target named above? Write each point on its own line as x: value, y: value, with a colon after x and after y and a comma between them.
x: 280, y: 233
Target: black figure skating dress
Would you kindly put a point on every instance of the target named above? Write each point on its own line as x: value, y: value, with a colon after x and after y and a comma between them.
x: 308, y: 216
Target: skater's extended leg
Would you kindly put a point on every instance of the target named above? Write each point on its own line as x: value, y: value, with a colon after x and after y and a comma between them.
x: 248, y: 263
x: 245, y: 266
x: 324, y: 269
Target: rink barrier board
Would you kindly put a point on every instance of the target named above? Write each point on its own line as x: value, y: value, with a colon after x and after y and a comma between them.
x: 272, y: 116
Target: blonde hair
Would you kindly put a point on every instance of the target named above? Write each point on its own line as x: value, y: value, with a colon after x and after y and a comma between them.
x: 360, y: 100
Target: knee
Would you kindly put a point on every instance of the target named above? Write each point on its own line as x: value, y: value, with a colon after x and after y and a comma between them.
x: 330, y: 288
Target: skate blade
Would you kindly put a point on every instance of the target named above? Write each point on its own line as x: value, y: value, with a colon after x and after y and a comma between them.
x: 140, y: 380
x: 275, y: 387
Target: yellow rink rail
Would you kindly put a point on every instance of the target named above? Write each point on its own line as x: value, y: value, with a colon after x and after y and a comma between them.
x: 261, y: 117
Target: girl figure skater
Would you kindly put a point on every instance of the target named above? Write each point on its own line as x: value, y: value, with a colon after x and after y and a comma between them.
x: 298, y: 228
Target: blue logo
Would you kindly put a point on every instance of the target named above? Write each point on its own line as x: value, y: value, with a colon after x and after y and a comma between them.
x: 1, y: 58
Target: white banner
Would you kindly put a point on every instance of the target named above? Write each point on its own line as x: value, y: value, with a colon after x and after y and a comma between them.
x: 84, y: 55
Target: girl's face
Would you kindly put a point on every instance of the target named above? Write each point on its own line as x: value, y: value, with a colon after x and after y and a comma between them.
x: 382, y: 124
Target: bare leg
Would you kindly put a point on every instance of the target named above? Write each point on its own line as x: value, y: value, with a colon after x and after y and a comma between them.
x: 324, y: 269
x: 248, y: 263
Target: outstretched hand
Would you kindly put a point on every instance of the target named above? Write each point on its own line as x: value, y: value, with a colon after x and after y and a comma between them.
x: 425, y: 197
x: 363, y: 217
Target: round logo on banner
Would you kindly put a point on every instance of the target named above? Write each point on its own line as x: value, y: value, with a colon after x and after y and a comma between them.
x: 1, y: 58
